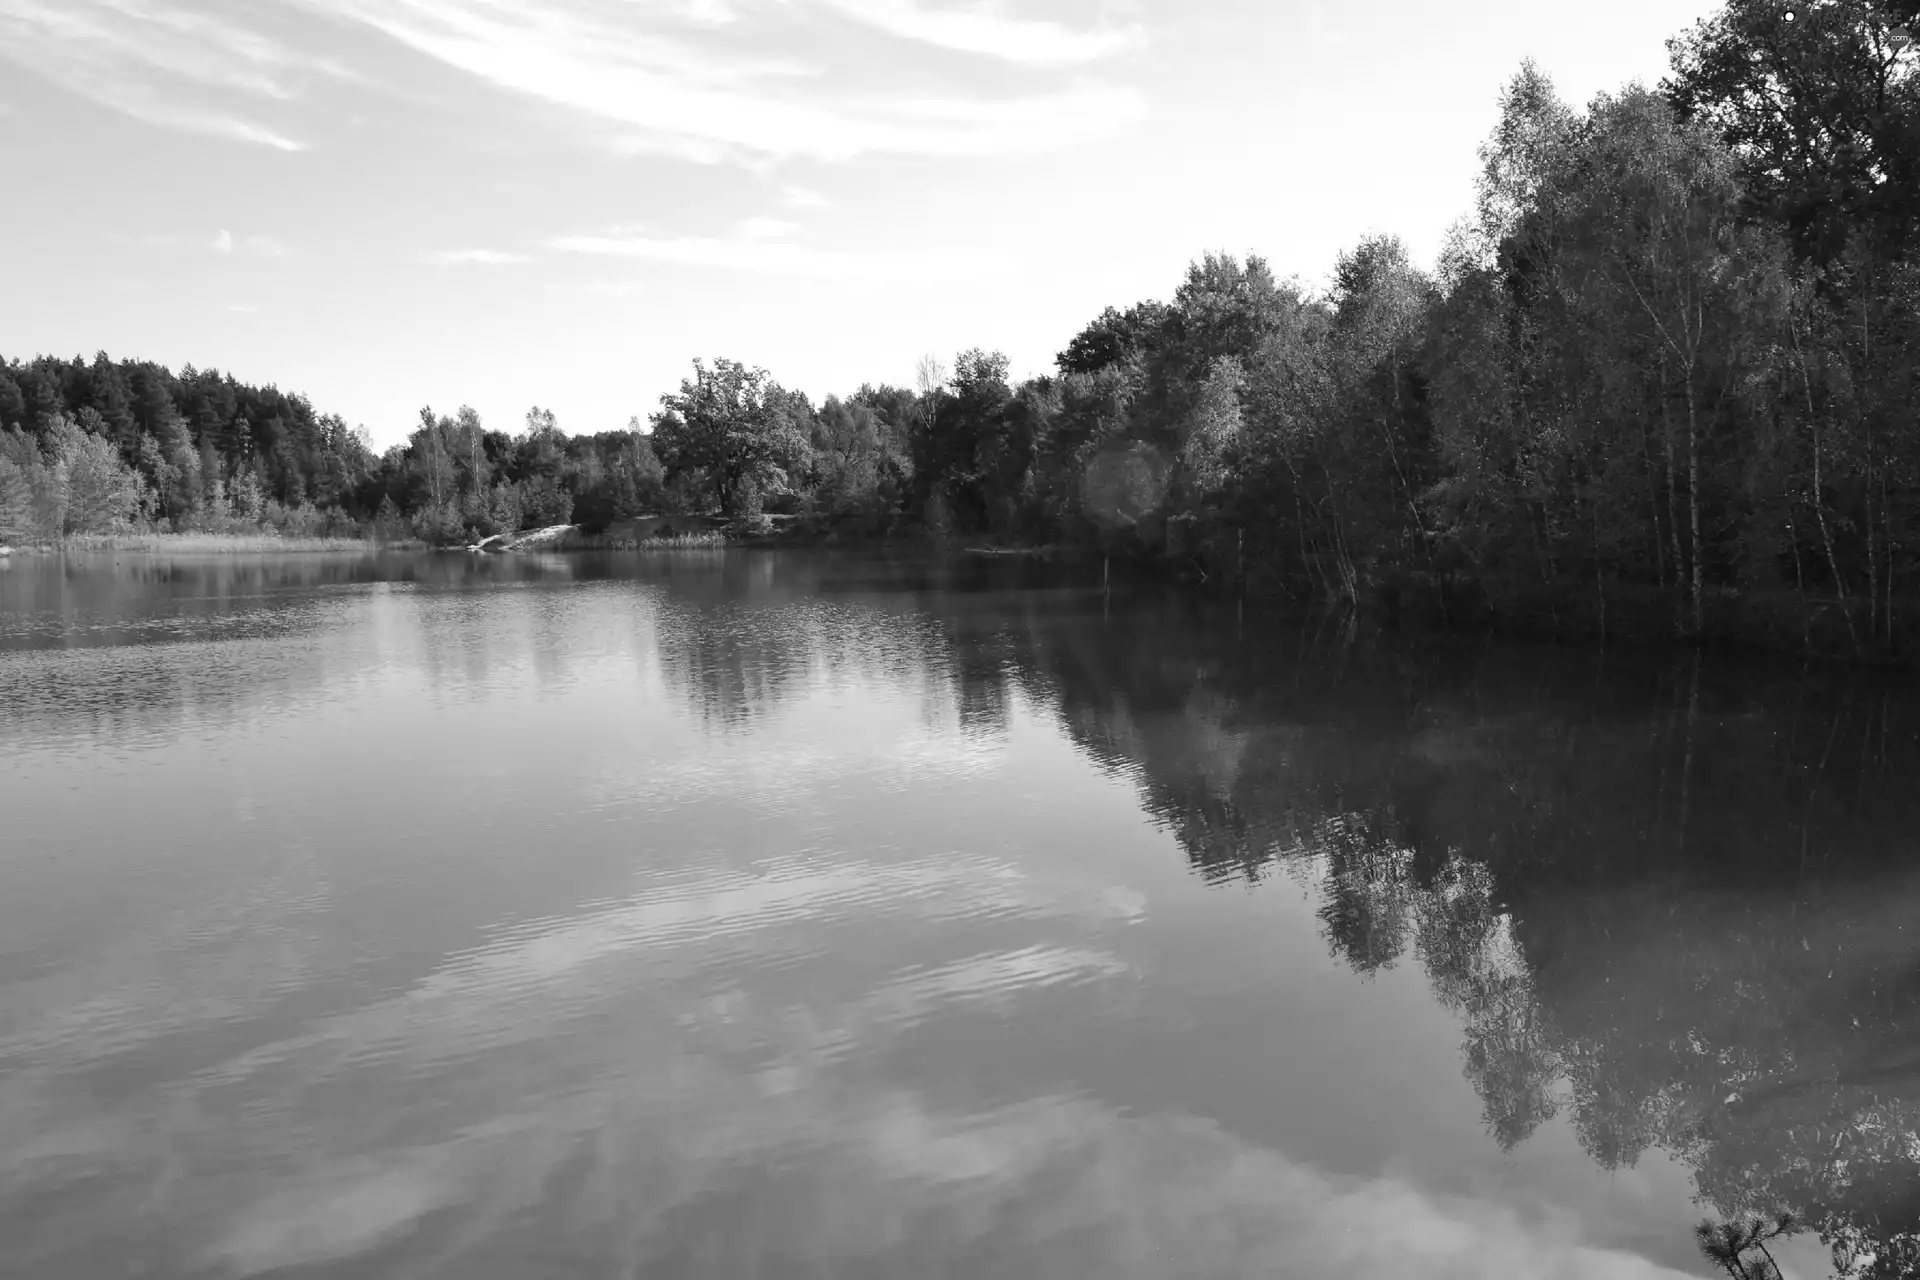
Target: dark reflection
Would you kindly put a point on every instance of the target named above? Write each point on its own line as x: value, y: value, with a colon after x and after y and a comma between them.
x: 735, y: 663
x: 100, y: 601
x: 258, y: 619
x: 741, y: 636
x: 1673, y: 902
x: 1676, y: 902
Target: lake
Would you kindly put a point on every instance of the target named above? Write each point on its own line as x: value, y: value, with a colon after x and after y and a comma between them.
x: 773, y: 914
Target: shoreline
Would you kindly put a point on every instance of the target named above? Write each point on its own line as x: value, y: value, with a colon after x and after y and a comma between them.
x: 94, y: 544
x: 1634, y: 621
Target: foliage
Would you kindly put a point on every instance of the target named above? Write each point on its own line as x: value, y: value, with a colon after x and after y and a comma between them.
x: 1819, y: 108
x: 733, y: 429
x: 1730, y: 1245
x: 94, y: 445
x: 1660, y: 381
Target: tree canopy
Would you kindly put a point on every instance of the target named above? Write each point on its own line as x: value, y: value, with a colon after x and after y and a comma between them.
x: 1660, y: 380
x: 734, y: 431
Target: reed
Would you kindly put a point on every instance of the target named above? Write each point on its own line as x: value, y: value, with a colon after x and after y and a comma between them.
x: 223, y: 543
x: 577, y: 541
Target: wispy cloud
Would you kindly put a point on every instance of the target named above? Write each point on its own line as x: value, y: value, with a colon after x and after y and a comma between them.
x: 678, y: 147
x: 158, y: 61
x: 243, y: 308
x: 803, y: 198
x: 689, y: 78
x: 980, y: 30
x: 767, y: 228
x: 157, y: 240
x: 245, y: 131
x: 224, y: 242
x: 1041, y: 1176
x: 763, y: 245
x: 711, y: 13
x: 475, y: 257
x: 684, y: 94
x: 617, y: 288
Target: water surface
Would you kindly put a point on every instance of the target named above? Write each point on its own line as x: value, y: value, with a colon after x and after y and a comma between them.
x: 769, y: 915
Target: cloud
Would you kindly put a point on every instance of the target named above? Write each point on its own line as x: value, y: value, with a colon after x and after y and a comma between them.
x: 766, y: 228
x: 224, y: 242
x: 803, y: 198
x: 145, y: 238
x: 243, y: 308
x: 475, y: 257
x: 618, y: 288
x: 680, y: 78
x: 686, y: 96
x: 243, y: 131
x: 156, y: 61
x: 710, y: 12
x: 1051, y: 1179
x: 978, y: 30
x: 713, y: 1086
x: 761, y: 245
x: 650, y: 1106
x: 689, y: 150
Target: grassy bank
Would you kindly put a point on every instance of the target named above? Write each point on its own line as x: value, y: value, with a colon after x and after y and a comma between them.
x: 575, y: 540
x: 220, y: 543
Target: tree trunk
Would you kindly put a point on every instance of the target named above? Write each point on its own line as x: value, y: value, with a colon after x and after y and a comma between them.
x: 1886, y: 514
x: 1873, y: 547
x: 1799, y: 578
x: 1673, y: 506
x: 1693, y: 501
x: 1599, y: 576
x: 1819, y: 498
x: 1826, y: 534
x: 1653, y: 501
x: 1307, y: 562
x: 1686, y: 763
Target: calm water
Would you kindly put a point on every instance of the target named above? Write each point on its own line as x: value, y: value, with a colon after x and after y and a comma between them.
x: 746, y: 915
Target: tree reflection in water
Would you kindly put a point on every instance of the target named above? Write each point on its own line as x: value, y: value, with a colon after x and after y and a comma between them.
x: 1675, y: 902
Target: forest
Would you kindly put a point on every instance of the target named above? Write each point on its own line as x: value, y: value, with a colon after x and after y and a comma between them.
x: 1660, y: 380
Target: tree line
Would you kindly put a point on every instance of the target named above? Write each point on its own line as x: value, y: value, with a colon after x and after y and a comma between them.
x: 103, y: 445
x: 1661, y: 377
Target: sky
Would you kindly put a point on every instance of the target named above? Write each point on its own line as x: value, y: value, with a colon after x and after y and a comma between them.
x: 388, y: 204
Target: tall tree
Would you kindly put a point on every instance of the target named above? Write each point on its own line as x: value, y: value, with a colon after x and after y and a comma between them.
x: 1657, y: 256
x: 728, y: 427
x: 1821, y: 104
x: 1116, y: 337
